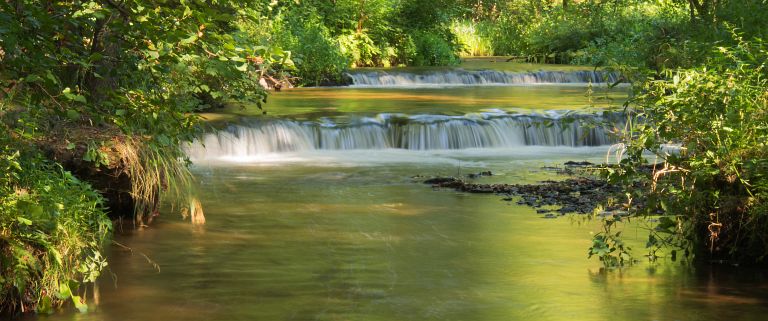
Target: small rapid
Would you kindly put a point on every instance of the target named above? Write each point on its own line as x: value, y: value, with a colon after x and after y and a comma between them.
x: 415, y: 132
x: 460, y: 77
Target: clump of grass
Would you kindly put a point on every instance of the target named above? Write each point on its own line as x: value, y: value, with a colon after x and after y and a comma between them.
x: 156, y: 173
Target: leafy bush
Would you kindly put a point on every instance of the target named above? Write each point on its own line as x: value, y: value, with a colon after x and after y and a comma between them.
x: 137, y: 71
x: 712, y: 191
x: 361, y: 49
x: 318, y: 57
x: 641, y: 34
x: 433, y: 50
x: 643, y: 37
x: 52, y: 228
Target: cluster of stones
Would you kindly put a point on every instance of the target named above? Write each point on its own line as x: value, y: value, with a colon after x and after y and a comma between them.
x: 574, y: 195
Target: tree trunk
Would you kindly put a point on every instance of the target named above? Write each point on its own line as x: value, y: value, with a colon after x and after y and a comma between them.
x: 536, y: 5
x: 361, y: 17
x: 703, y: 9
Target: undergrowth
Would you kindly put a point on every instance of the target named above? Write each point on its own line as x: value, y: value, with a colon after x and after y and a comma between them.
x: 52, y: 229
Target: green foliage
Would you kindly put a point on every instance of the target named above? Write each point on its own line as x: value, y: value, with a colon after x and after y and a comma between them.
x: 647, y: 36
x: 640, y: 33
x: 92, y: 74
x: 473, y: 40
x: 713, y: 188
x: 433, y: 50
x: 608, y: 245
x: 319, y: 58
x: 329, y: 37
x: 52, y: 228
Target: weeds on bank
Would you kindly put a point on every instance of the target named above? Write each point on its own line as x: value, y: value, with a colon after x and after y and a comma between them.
x: 52, y: 229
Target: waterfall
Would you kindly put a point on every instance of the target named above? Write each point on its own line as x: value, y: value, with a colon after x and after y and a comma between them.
x: 460, y: 77
x: 418, y: 132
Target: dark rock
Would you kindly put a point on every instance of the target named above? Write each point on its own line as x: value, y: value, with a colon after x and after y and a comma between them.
x: 481, y: 174
x: 441, y: 180
x: 584, y: 163
x: 574, y: 195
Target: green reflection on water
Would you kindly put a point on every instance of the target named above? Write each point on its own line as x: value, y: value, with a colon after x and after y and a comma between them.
x: 304, y: 242
x: 350, y: 236
x: 309, y: 103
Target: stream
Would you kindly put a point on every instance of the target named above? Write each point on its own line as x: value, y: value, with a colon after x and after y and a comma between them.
x: 317, y: 212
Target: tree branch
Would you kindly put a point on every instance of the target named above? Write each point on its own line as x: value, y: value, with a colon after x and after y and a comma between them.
x: 119, y: 7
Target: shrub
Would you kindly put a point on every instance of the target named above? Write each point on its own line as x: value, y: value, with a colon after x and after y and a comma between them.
x: 318, y: 57
x: 52, y: 228
x: 713, y: 192
x: 433, y: 50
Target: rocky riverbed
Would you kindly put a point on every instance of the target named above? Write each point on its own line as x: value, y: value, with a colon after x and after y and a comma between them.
x: 581, y: 195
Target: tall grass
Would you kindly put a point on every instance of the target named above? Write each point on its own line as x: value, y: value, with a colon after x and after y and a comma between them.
x: 474, y: 42
x: 157, y: 174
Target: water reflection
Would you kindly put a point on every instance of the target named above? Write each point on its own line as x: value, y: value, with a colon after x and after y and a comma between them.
x: 349, y: 235
x: 303, y: 242
x: 312, y: 103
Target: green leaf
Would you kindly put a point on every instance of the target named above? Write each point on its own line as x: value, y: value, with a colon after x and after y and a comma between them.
x: 243, y: 67
x: 73, y: 114
x: 153, y: 54
x: 56, y: 256
x: 189, y: 40
x: 33, y: 78
x: 64, y: 291
x: 49, y: 75
x: 24, y: 220
x: 79, y: 304
x: 45, y: 306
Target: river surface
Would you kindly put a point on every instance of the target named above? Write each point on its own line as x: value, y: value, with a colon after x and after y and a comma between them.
x: 308, y: 230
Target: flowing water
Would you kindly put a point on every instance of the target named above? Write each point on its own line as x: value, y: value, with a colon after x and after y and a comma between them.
x: 318, y: 213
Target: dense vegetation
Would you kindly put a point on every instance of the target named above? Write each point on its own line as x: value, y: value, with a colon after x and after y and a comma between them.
x: 106, y: 89
x: 95, y: 89
x: 705, y: 129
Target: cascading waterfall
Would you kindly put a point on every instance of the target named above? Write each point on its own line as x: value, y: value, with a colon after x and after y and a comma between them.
x: 476, y: 77
x: 419, y: 132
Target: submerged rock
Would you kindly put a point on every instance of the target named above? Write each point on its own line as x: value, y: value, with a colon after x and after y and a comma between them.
x: 442, y: 181
x: 584, y: 163
x: 575, y: 195
x: 481, y: 174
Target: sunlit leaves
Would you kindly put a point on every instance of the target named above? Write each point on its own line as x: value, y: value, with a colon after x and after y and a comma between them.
x: 716, y: 114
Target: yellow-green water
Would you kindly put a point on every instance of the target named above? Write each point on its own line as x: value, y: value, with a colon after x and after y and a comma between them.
x: 303, y: 103
x: 340, y: 242
x: 352, y: 235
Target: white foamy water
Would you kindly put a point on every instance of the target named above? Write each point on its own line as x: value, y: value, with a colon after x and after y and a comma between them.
x: 280, y: 139
x: 461, y: 77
